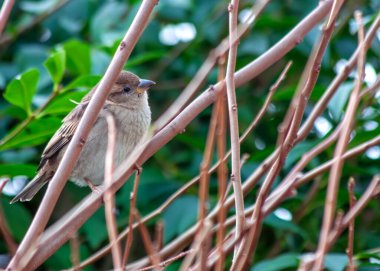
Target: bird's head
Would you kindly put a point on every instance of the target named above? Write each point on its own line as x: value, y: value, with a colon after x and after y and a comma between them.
x: 129, y: 89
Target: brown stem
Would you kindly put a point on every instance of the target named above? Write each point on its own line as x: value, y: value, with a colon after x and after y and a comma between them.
x: 132, y: 206
x: 109, y: 198
x: 351, y: 227
x: 336, y: 169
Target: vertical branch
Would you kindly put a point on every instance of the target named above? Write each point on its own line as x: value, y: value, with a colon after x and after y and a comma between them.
x: 132, y: 206
x: 207, y: 66
x: 109, y: 198
x: 159, y: 235
x: 351, y: 227
x: 289, y: 140
x: 148, y: 244
x: 222, y: 169
x: 196, y: 246
x: 4, y: 13
x: 207, y: 156
x: 233, y: 8
x: 75, y: 254
x: 336, y: 169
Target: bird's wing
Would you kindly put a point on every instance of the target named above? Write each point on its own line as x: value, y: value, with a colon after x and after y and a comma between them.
x: 64, y: 134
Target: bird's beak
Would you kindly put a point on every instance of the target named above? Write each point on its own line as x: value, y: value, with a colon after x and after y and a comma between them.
x: 144, y: 85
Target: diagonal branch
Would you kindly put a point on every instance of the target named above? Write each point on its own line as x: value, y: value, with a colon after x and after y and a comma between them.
x: 90, y: 115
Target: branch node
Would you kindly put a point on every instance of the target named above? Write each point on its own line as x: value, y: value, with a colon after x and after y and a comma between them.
x: 122, y: 45
x: 230, y: 7
x: 82, y: 141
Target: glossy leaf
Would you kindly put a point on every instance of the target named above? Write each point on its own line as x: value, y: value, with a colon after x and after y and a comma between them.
x: 78, y: 58
x: 20, y: 90
x: 38, y: 132
x: 281, y: 262
x: 56, y: 65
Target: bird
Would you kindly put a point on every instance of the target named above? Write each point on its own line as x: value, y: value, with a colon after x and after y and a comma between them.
x: 128, y: 105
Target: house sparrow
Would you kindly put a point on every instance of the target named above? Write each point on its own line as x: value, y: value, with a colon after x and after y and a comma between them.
x: 128, y: 104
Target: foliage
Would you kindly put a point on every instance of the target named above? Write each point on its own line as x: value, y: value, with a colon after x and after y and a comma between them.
x: 43, y: 72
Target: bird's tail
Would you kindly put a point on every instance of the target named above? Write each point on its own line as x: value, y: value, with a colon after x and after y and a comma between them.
x: 32, y: 188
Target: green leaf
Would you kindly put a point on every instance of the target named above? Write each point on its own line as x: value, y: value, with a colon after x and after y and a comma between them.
x: 20, y: 90
x: 83, y: 82
x: 180, y: 216
x: 37, y: 7
x: 18, y: 224
x: 279, y: 224
x: 279, y: 263
x: 78, y: 58
x: 336, y: 261
x: 95, y: 229
x: 298, y: 151
x: 12, y: 170
x: 64, y: 103
x: 140, y: 59
x: 339, y: 100
x: 38, y: 132
x: 56, y: 65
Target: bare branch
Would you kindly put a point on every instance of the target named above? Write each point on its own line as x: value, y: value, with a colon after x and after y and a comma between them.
x: 335, y: 173
x: 109, y: 198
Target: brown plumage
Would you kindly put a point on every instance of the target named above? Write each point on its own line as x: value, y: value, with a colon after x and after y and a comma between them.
x: 128, y: 104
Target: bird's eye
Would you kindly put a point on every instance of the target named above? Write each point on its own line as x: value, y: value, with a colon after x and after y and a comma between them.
x: 126, y: 89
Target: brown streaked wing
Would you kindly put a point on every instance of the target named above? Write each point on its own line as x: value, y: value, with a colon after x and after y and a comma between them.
x: 63, y: 136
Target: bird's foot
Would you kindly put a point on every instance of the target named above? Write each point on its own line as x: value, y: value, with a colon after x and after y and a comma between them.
x: 138, y: 168
x: 92, y: 186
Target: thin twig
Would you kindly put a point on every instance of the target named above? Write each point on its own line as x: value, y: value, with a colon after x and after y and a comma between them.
x: 198, y: 241
x: 336, y: 169
x: 4, y: 14
x: 368, y: 194
x: 207, y: 66
x: 159, y: 235
x: 298, y: 215
x: 148, y: 244
x: 233, y: 9
x: 132, y: 206
x: 75, y: 252
x: 351, y: 227
x: 222, y: 168
x: 109, y: 198
x: 272, y: 202
x: 168, y: 261
x: 285, y: 148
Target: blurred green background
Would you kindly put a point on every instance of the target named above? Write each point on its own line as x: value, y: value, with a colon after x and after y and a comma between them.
x: 68, y: 50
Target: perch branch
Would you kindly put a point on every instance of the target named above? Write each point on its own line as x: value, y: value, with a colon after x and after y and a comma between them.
x: 72, y: 153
